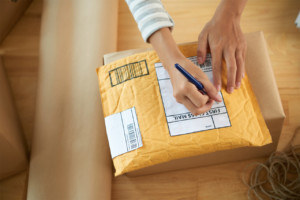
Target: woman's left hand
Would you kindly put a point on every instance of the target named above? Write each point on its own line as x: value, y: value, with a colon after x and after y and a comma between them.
x: 223, y: 35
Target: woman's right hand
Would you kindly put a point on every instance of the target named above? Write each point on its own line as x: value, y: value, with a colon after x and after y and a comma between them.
x: 184, y: 91
x: 187, y: 93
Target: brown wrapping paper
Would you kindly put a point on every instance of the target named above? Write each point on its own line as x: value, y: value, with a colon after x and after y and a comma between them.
x: 13, y: 156
x: 70, y: 156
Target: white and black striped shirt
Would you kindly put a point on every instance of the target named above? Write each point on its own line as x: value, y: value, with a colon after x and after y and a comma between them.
x: 150, y: 16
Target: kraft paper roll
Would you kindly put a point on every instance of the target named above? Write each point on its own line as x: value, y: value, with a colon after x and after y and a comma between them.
x: 13, y: 155
x: 70, y: 157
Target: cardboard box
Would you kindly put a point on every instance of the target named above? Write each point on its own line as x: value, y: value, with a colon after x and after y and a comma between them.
x: 257, y: 65
x: 10, y: 13
x: 13, y: 155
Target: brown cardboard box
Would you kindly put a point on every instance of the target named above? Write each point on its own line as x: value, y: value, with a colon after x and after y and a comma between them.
x: 258, y: 65
x: 13, y: 155
x: 10, y: 13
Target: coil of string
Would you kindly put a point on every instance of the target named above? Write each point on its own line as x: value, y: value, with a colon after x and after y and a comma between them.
x: 278, y: 178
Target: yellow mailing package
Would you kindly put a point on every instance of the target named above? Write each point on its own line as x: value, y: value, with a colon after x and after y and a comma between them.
x: 146, y: 126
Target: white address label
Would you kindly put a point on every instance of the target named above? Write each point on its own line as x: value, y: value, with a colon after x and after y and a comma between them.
x: 179, y: 119
x: 123, y: 132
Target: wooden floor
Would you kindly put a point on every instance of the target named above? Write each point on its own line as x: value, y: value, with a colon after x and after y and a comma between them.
x: 275, y: 18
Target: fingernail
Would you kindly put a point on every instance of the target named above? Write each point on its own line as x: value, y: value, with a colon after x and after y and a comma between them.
x: 218, y: 88
x: 230, y: 90
x: 219, y: 98
x: 238, y: 85
x: 243, y: 75
x: 200, y: 59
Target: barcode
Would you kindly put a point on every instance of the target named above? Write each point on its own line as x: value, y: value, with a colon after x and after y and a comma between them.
x: 132, y: 136
x: 206, y: 66
x: 208, y: 62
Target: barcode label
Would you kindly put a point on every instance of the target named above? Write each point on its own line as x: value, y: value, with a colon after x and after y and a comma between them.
x: 132, y: 137
x: 123, y: 132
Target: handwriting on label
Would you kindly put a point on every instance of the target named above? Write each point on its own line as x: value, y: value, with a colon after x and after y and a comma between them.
x: 184, y: 116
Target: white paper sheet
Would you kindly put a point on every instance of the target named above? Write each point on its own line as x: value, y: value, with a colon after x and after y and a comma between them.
x: 180, y: 120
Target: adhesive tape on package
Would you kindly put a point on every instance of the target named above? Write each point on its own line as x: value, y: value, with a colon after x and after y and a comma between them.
x: 146, y: 126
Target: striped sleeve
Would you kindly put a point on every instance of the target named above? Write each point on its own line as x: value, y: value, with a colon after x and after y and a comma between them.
x: 150, y: 16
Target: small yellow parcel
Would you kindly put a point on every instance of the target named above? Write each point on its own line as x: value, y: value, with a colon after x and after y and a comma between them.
x: 146, y: 126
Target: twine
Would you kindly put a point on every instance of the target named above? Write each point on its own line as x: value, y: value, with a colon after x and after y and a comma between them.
x: 277, y: 178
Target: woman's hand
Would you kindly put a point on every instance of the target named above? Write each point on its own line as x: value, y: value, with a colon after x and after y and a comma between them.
x: 223, y: 35
x: 187, y: 93
x: 184, y: 91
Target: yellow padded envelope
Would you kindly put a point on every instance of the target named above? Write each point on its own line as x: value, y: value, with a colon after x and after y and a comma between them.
x: 146, y: 126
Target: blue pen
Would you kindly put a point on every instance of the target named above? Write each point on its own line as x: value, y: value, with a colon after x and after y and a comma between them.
x: 197, y: 83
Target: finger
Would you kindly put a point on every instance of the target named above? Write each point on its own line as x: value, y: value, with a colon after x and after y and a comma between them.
x: 205, y: 108
x: 217, y: 68
x: 202, y: 47
x: 231, y: 69
x: 211, y: 90
x: 244, y: 57
x: 196, y: 97
x: 179, y: 97
x: 197, y: 111
x: 240, y: 68
x: 189, y: 105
